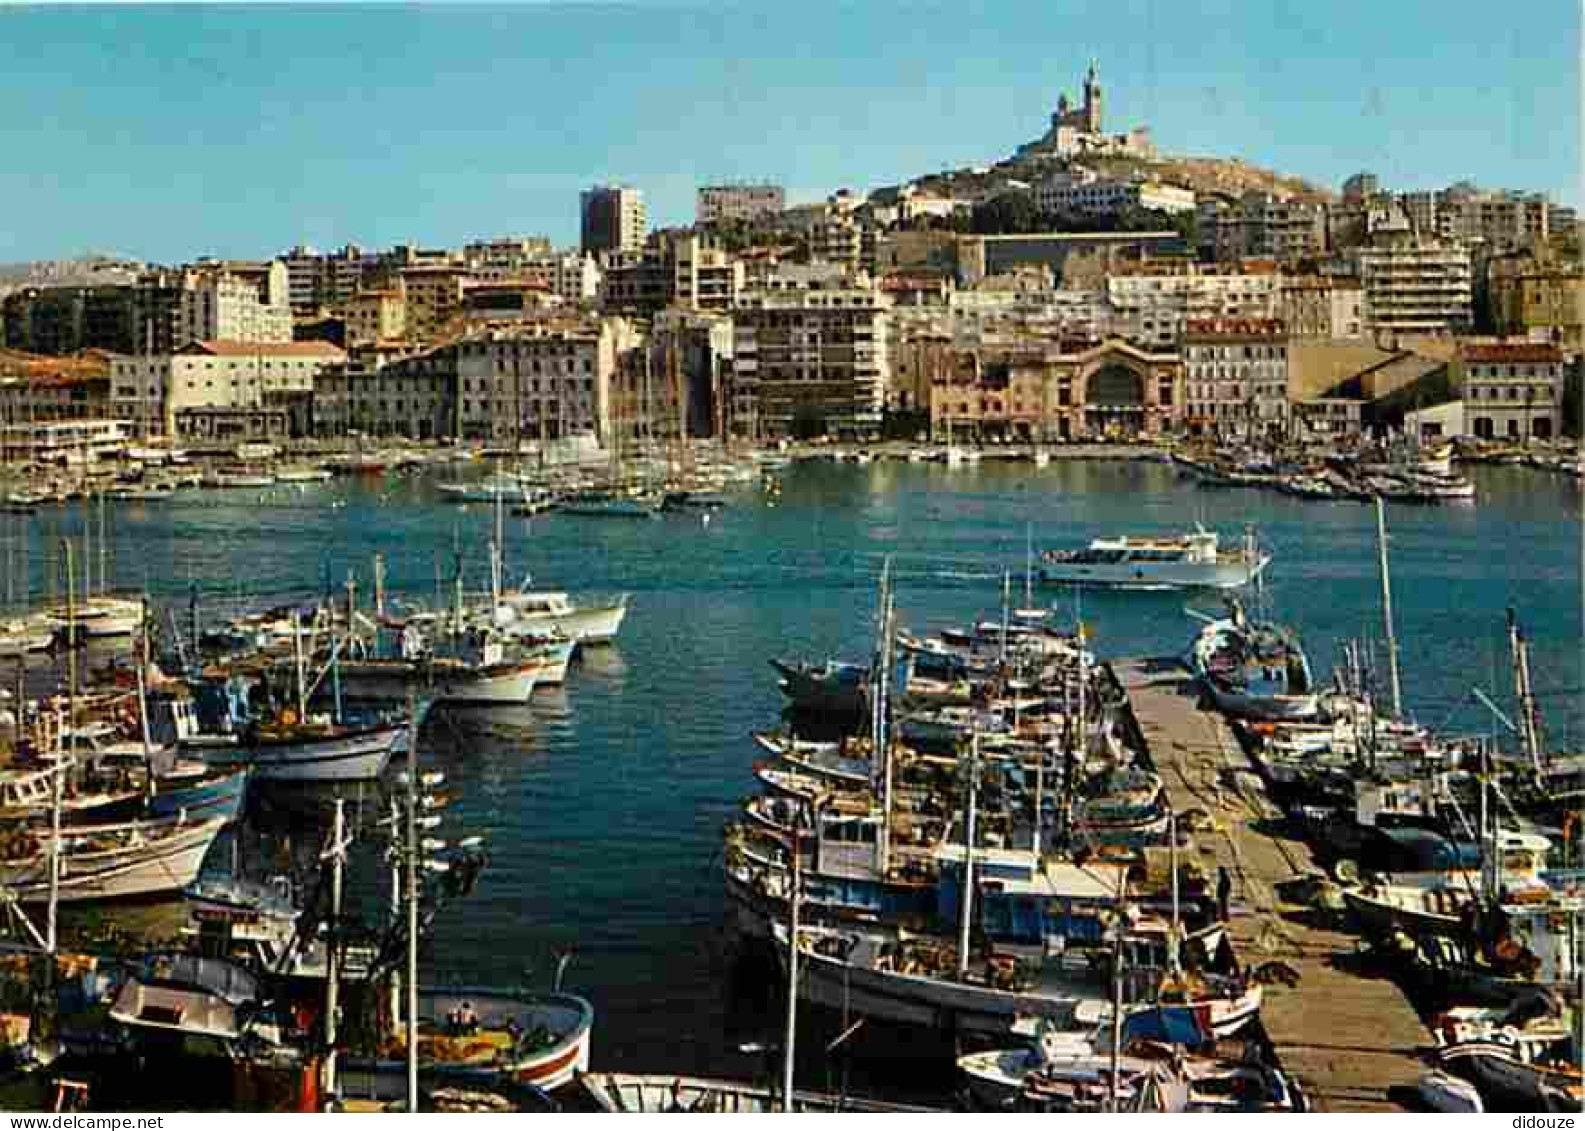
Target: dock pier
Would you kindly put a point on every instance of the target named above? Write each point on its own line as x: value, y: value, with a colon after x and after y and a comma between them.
x: 1351, y: 1039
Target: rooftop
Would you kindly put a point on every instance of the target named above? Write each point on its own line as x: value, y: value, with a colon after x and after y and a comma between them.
x: 1510, y: 351
x: 264, y: 349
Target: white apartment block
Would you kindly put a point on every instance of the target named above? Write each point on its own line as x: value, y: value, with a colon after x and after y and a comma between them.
x: 1152, y: 308
x: 216, y: 304
x: 1235, y: 374
x: 153, y: 390
x: 1416, y: 287
x: 815, y: 360
x: 714, y: 203
x: 1087, y: 194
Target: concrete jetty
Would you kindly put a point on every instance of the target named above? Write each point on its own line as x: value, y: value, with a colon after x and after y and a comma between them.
x: 1348, y: 1037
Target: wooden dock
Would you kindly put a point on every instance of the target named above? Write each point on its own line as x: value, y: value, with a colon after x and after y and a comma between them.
x: 1349, y: 1038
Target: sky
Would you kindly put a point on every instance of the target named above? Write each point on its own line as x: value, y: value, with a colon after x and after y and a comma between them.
x: 172, y: 131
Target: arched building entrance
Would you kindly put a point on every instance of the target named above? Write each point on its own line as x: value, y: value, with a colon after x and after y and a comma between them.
x: 1114, y: 399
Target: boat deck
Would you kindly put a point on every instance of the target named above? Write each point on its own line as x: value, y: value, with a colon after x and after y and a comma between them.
x: 1348, y: 1036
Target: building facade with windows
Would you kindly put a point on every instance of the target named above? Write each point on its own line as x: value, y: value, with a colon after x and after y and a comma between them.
x: 1235, y: 375
x: 1511, y: 390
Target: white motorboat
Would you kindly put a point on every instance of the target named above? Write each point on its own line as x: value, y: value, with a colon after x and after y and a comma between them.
x: 526, y: 612
x: 1190, y: 561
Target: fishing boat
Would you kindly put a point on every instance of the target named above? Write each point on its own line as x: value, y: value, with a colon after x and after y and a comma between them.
x: 1442, y: 1091
x: 612, y: 504
x: 98, y: 617
x: 908, y: 981
x: 632, y: 1094
x: 1527, y: 1063
x: 1253, y: 669
x: 1189, y: 561
x: 827, y: 761
x: 477, y: 1036
x: 315, y: 750
x: 110, y: 861
x: 832, y: 688
x: 22, y: 637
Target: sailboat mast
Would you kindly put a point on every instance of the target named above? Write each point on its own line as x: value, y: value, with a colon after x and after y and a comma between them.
x: 333, y: 952
x: 794, y: 905
x: 1529, y: 729
x: 1386, y: 609
x: 966, y: 898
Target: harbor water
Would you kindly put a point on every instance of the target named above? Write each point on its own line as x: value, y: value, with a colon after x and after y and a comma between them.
x: 602, y: 804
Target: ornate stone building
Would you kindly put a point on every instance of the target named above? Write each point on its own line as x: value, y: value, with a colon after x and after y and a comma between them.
x: 1074, y: 391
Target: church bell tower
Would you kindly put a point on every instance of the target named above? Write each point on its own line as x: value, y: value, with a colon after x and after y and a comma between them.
x: 1092, y: 101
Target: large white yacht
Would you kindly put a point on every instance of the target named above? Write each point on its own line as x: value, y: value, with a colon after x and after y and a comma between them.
x: 1189, y: 561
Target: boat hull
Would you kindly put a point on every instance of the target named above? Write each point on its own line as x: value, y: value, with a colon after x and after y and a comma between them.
x: 587, y: 625
x: 168, y: 865
x: 352, y: 757
x: 568, y: 1017
x: 1155, y: 575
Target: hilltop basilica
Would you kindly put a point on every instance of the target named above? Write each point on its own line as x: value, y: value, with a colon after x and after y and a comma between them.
x: 1076, y: 130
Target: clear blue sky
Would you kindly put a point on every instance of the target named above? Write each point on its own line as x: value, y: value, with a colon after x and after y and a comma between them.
x: 173, y: 131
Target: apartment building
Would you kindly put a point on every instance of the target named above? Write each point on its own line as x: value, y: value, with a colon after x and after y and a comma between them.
x: 375, y: 316
x: 434, y: 297
x: 1150, y: 302
x: 1235, y: 373
x: 1413, y: 286
x: 1261, y: 226
x: 715, y: 203
x: 543, y: 381
x: 381, y: 393
x: 324, y: 280
x: 672, y: 269
x: 1511, y: 390
x: 815, y: 359
x: 1321, y: 307
x: 613, y: 219
x: 65, y: 320
x: 1083, y: 193
x: 155, y: 391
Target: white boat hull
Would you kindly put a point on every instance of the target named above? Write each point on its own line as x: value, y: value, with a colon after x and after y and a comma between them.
x: 355, y: 757
x: 588, y: 625
x: 927, y: 1003
x: 1155, y: 575
x: 168, y: 864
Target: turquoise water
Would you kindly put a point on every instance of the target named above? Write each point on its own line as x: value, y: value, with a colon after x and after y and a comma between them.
x: 603, y: 804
